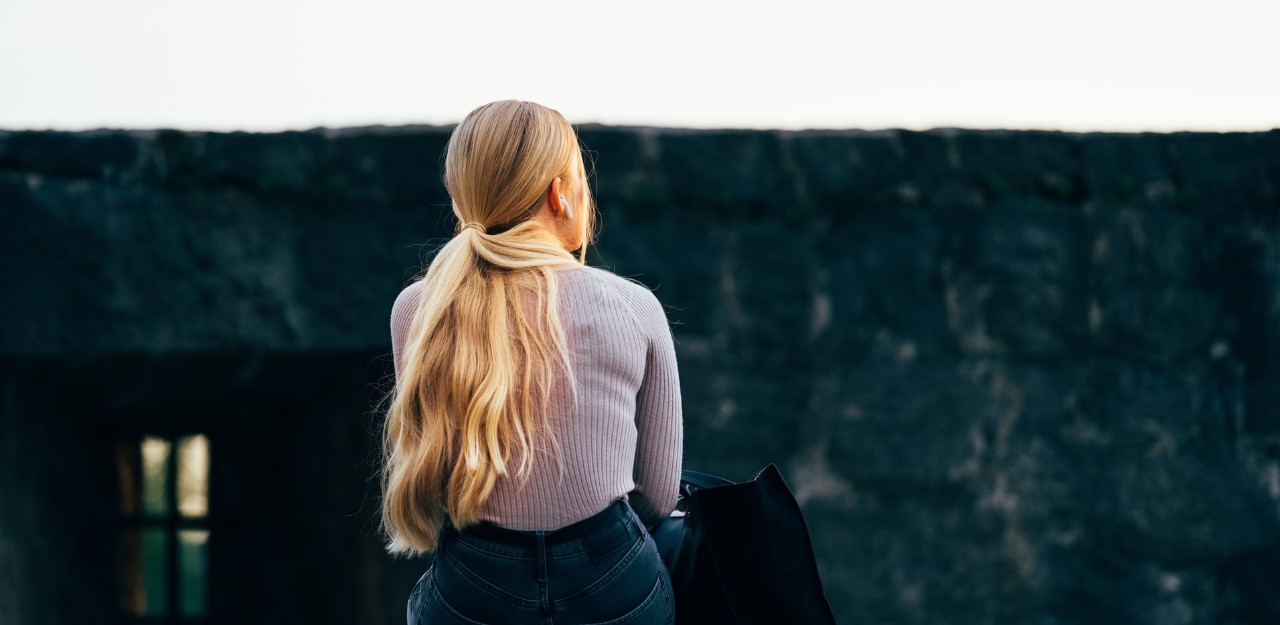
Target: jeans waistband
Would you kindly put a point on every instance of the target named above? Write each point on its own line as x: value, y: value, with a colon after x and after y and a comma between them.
x: 529, y: 539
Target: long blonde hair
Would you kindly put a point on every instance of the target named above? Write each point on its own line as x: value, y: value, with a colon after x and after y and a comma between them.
x: 477, y: 366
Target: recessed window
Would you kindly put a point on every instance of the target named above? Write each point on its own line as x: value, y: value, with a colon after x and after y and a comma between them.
x: 164, y: 546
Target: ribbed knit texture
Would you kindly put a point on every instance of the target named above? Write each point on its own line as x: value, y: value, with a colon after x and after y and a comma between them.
x: 625, y: 436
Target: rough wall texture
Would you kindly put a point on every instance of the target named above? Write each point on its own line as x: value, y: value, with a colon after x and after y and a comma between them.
x: 1013, y: 377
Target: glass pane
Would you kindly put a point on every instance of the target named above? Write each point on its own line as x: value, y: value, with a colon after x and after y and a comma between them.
x: 193, y: 571
x: 155, y: 475
x: 154, y: 600
x: 130, y: 561
x: 127, y: 474
x: 193, y: 475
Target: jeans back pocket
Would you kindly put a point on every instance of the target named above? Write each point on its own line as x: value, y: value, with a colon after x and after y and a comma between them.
x: 656, y: 609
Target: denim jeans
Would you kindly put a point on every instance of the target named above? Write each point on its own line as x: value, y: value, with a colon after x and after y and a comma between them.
x: 611, y: 574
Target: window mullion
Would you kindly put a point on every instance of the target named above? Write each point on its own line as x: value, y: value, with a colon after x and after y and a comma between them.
x: 171, y: 534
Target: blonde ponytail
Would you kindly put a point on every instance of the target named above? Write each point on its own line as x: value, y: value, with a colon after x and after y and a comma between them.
x: 478, y: 366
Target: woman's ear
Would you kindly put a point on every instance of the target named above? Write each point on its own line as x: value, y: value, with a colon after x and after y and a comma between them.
x: 554, y: 198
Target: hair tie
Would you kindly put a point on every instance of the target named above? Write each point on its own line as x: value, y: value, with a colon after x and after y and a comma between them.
x: 477, y: 226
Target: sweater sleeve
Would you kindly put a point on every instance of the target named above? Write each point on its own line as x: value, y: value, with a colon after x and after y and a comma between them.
x: 659, y: 420
x: 401, y: 319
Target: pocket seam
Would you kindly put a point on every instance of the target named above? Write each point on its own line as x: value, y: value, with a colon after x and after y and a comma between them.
x: 613, y: 572
x: 640, y: 610
x: 435, y: 596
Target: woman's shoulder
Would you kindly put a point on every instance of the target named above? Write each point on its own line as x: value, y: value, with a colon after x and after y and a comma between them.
x: 637, y: 296
x: 403, y: 310
x: 407, y: 299
x: 628, y: 286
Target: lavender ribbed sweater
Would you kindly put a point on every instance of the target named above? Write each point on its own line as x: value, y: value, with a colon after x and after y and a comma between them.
x: 625, y: 436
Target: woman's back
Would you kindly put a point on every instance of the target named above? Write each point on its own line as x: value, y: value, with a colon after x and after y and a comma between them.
x: 535, y: 425
x: 624, y: 435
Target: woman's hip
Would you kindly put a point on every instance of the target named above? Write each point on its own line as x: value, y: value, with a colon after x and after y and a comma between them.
x: 603, y: 570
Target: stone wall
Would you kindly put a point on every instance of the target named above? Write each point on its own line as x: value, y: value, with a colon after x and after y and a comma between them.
x: 1013, y: 377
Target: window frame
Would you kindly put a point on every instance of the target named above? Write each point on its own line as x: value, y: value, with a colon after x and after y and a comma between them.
x: 134, y: 520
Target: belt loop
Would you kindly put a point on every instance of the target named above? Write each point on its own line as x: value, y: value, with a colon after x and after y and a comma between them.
x: 541, y: 549
x: 544, y: 598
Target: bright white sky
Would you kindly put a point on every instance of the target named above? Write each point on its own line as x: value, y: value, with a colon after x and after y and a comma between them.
x: 1118, y: 65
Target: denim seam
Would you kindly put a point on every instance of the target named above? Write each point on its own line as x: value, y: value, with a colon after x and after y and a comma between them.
x: 435, y: 594
x: 486, y: 586
x: 595, y: 557
x: 637, y: 611
x: 490, y: 552
x: 544, y: 599
x: 412, y: 614
x: 670, y: 597
x: 612, y: 573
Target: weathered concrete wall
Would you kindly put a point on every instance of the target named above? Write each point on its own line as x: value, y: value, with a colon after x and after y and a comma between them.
x: 1014, y: 377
